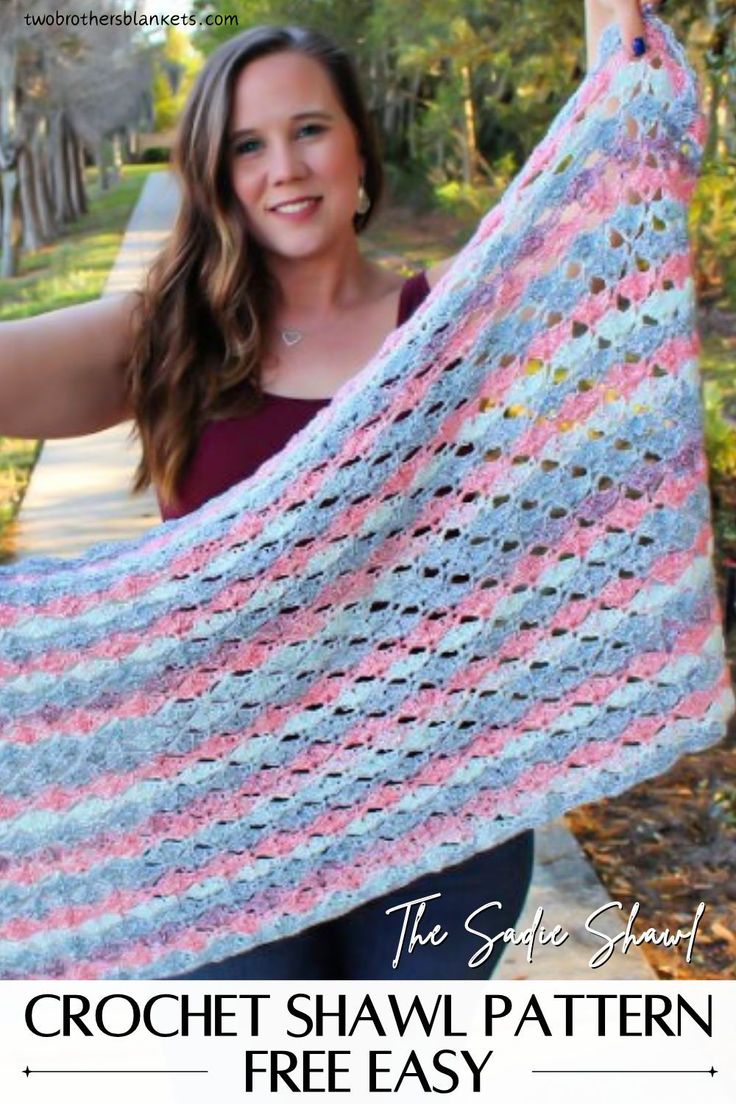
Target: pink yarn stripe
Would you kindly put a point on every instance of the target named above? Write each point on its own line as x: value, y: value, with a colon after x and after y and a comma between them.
x: 626, y: 513
x: 32, y: 729
x: 185, y: 821
x: 335, y: 822
x: 422, y: 705
x: 378, y: 856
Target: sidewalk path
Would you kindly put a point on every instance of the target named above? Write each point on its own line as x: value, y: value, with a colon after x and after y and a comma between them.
x: 79, y: 495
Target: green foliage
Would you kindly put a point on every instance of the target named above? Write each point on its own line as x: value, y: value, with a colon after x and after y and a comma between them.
x: 155, y: 155
x: 164, y: 104
x: 720, y: 432
x: 17, y: 458
x: 416, y: 57
x: 724, y: 801
x: 460, y: 199
x: 342, y: 20
x: 175, y: 67
x: 713, y: 222
x: 409, y: 185
x: 425, y: 63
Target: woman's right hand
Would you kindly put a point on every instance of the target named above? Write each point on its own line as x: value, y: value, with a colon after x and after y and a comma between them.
x: 62, y: 373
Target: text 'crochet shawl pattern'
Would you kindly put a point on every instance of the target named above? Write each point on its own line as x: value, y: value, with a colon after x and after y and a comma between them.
x: 475, y: 591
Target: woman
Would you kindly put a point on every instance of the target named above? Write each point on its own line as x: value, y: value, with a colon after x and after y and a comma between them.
x: 255, y: 313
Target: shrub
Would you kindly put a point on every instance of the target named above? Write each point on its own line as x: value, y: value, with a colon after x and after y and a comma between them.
x: 720, y: 433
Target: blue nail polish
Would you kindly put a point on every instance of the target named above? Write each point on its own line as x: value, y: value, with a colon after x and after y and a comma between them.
x: 639, y: 46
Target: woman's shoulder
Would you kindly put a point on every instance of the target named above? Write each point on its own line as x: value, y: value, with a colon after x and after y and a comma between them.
x: 413, y: 291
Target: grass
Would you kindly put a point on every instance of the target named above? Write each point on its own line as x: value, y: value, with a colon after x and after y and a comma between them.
x: 17, y: 458
x: 74, y: 269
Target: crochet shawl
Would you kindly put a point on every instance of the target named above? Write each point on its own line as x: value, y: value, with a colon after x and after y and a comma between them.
x: 475, y: 591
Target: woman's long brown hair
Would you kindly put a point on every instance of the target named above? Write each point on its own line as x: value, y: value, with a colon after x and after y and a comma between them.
x: 201, y: 316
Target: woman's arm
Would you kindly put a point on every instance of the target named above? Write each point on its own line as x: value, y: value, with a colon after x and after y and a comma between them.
x: 62, y: 373
x: 598, y: 14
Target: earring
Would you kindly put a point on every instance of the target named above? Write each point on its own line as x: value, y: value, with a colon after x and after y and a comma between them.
x: 364, y: 203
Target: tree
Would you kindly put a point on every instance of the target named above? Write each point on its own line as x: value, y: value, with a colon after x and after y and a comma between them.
x: 458, y: 85
x: 174, y: 69
x: 10, y: 140
x: 63, y: 90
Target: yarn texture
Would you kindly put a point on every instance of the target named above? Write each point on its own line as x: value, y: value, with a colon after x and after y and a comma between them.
x: 473, y: 592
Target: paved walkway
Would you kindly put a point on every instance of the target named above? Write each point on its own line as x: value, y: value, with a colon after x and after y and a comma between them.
x: 79, y: 495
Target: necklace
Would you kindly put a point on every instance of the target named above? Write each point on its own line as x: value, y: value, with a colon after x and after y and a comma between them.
x: 291, y: 337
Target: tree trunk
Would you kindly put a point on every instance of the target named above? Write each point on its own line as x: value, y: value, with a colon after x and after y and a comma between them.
x: 717, y: 79
x: 32, y: 236
x: 10, y: 226
x: 99, y: 156
x: 70, y: 168
x: 76, y: 172
x: 714, y: 116
x: 117, y: 155
x: 132, y: 144
x: 41, y: 180
x: 729, y: 128
x: 470, y: 146
x: 411, y: 122
x: 63, y: 210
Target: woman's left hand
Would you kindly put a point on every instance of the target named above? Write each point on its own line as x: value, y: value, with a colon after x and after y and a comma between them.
x: 628, y: 14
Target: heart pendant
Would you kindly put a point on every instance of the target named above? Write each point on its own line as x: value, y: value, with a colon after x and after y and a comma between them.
x: 290, y: 337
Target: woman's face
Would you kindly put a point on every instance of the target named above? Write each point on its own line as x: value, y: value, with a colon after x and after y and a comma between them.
x: 290, y: 140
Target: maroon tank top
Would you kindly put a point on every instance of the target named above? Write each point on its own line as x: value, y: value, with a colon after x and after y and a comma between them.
x: 231, y: 449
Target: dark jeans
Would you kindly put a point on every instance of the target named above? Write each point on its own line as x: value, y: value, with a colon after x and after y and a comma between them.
x: 362, y: 944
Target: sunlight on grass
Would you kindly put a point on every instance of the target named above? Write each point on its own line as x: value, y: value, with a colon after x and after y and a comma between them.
x: 74, y: 269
